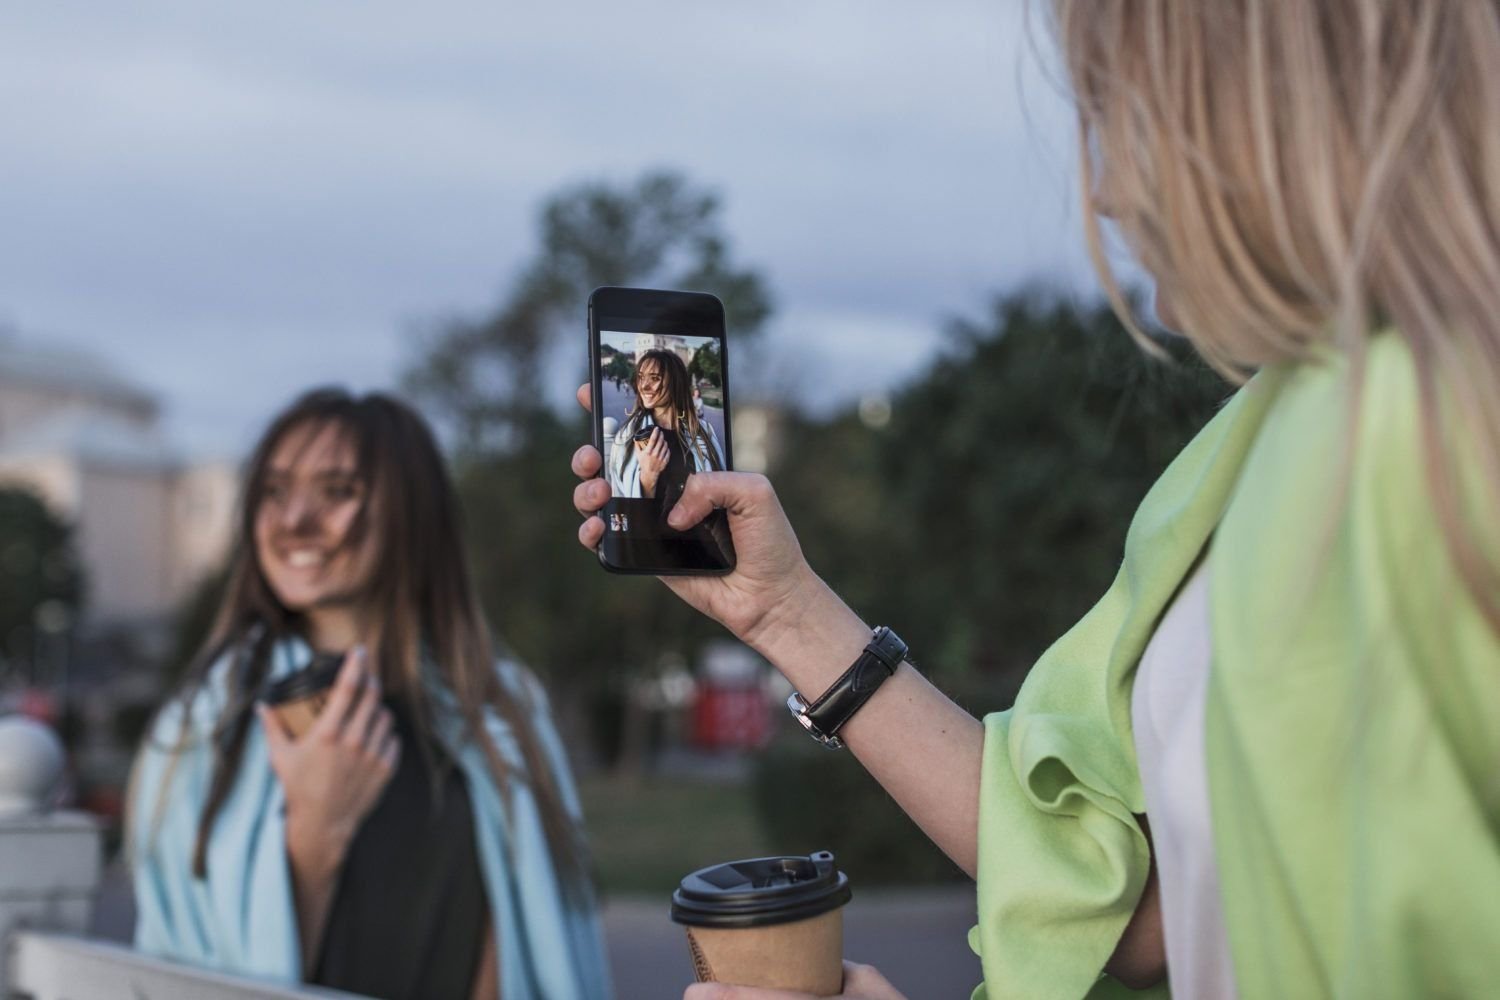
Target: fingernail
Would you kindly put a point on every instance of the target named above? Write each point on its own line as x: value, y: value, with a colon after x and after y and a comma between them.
x: 678, y: 517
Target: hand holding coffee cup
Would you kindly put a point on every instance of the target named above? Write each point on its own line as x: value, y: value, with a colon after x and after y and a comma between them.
x: 861, y: 982
x: 334, y: 773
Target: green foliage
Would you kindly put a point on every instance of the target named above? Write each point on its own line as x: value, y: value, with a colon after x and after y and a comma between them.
x: 41, y: 576
x: 647, y: 834
x: 707, y: 366
x: 546, y: 597
x: 809, y: 799
x: 193, y: 623
x: 481, y: 376
x: 982, y: 520
x: 991, y: 511
x: 618, y: 370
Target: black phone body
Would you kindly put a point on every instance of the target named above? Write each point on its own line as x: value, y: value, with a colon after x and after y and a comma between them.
x: 659, y: 368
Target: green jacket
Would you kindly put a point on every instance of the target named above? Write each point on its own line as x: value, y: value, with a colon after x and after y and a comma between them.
x: 1353, y: 718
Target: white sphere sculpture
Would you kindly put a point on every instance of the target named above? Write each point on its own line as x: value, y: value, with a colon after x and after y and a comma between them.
x: 31, y: 765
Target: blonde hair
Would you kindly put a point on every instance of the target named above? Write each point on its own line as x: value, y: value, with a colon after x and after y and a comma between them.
x: 1299, y: 174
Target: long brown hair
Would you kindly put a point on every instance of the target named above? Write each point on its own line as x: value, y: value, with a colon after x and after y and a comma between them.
x: 424, y: 607
x: 679, y: 386
x: 1299, y: 174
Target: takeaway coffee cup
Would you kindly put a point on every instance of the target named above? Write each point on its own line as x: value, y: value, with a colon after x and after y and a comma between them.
x: 769, y: 922
x: 298, y: 698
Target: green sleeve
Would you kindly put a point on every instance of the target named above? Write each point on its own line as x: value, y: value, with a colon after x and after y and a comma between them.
x: 1062, y: 859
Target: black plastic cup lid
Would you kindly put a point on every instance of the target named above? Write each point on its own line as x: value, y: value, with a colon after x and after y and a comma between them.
x: 761, y: 891
x: 318, y: 675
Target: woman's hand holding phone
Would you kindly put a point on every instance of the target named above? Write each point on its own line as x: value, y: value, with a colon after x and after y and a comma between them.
x: 924, y: 749
x: 772, y: 599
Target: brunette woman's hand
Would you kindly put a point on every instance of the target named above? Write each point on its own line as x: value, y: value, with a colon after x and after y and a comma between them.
x: 861, y: 982
x: 652, y: 455
x: 771, y: 586
x: 334, y: 774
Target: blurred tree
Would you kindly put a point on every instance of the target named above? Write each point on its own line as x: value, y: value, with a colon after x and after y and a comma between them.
x: 483, y: 376
x: 41, y: 576
x: 983, y: 520
x: 192, y: 624
x: 706, y: 365
x: 1002, y: 487
x: 585, y: 630
x: 618, y: 370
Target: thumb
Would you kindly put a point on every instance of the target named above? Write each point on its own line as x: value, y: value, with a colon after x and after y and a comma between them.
x: 740, y: 493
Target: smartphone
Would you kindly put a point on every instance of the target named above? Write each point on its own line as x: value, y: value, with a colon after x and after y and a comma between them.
x: 659, y: 368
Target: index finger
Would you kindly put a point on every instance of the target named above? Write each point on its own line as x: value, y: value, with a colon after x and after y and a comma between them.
x: 586, y: 462
x: 586, y: 397
x: 346, y: 687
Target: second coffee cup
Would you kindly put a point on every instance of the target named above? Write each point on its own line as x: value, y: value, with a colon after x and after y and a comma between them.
x: 769, y: 922
x: 298, y: 698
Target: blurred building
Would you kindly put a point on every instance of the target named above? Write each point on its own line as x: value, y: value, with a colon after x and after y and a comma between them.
x: 150, y: 525
x: 661, y: 342
x: 759, y: 435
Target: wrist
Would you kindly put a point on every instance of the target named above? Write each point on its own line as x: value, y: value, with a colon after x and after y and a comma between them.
x: 811, y: 635
x: 316, y: 849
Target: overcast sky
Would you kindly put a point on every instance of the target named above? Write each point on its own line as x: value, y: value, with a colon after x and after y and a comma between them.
x: 235, y: 201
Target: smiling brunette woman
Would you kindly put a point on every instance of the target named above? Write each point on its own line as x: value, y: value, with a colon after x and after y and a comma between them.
x: 663, y: 439
x: 422, y: 838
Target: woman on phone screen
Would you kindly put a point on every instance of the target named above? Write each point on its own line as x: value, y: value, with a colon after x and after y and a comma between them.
x: 422, y: 839
x: 1264, y: 764
x: 663, y: 438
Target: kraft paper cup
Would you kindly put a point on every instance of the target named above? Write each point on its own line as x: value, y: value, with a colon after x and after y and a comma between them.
x: 298, y: 698
x: 770, y: 922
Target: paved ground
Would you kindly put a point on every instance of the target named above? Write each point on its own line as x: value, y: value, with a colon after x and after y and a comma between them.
x: 917, y: 937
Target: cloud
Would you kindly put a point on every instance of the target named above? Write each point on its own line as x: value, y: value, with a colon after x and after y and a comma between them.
x: 237, y: 200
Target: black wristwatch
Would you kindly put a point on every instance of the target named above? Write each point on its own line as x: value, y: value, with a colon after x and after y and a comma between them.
x: 824, y: 717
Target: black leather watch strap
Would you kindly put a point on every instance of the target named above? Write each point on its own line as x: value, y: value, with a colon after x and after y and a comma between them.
x: 826, y: 716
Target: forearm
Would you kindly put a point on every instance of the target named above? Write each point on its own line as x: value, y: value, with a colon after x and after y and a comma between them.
x: 315, y: 863
x: 922, y: 748
x: 1140, y: 958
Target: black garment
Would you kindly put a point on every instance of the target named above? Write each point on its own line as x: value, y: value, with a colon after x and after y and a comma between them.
x: 673, y: 479
x: 408, y: 919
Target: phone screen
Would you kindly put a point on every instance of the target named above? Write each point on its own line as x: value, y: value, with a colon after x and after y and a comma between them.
x: 660, y: 379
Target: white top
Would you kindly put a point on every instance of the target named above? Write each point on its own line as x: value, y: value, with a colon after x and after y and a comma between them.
x: 1166, y: 708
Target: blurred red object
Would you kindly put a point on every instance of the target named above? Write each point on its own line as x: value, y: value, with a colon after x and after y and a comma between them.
x: 102, y: 800
x: 38, y: 704
x: 730, y: 717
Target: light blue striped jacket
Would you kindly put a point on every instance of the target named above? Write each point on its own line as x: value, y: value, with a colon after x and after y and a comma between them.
x: 625, y: 471
x: 241, y: 918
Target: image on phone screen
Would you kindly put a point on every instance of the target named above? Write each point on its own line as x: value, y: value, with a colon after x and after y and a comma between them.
x: 664, y: 391
x: 661, y: 415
